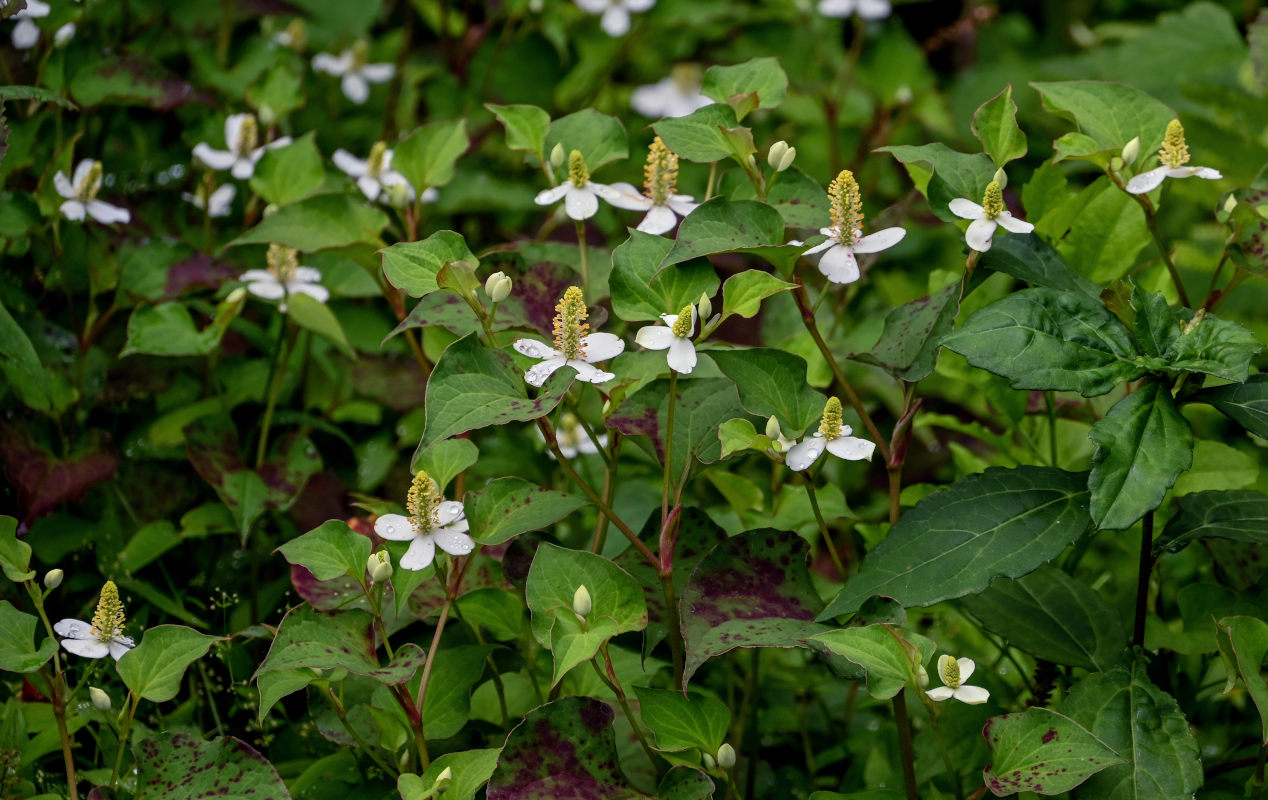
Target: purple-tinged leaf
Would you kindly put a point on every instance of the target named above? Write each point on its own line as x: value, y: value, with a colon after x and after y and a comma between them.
x: 179, y: 765
x: 1043, y: 752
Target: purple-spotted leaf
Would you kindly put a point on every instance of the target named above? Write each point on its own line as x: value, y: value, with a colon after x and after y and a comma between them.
x: 703, y: 405
x: 507, y: 507
x: 909, y: 344
x: 685, y: 783
x: 1043, y: 752
x: 752, y: 590
x: 179, y: 765
x: 565, y: 750
x: 310, y: 639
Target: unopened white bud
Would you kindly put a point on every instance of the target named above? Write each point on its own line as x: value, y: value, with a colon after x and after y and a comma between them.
x: 1001, y: 178
x: 53, y: 579
x: 266, y: 114
x: 443, y: 779
x: 270, y: 210
x: 399, y: 195
x: 379, y: 566
x: 904, y: 95
x: 581, y: 602
x: 708, y: 761
x: 704, y: 307
x: 1230, y: 203
x: 775, y: 155
x: 1131, y: 150
x: 100, y: 700
x: 236, y: 296
x: 772, y: 429
x: 498, y: 287
x: 557, y: 155
x: 922, y: 676
x: 726, y: 756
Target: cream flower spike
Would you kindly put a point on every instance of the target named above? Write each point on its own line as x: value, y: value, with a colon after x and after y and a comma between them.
x: 954, y: 672
x: 80, y: 193
x: 242, y: 134
x: 1174, y: 156
x: 659, y: 196
x: 284, y: 277
x: 574, y: 346
x: 104, y: 635
x: 845, y: 237
x: 831, y: 436
x: 616, y: 13
x: 675, y: 96
x: 674, y: 336
x: 867, y: 9
x: 581, y: 195
x: 987, y: 217
x: 432, y: 521
x: 355, y: 73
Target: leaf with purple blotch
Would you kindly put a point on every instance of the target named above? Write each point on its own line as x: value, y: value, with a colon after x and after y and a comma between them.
x: 1043, y: 752
x: 180, y: 765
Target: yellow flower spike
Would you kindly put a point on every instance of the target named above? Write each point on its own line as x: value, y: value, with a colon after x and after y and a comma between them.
x: 570, y: 323
x: 1174, y: 152
x: 682, y: 326
x: 282, y: 262
x: 248, y: 136
x: 578, y: 175
x: 374, y: 164
x: 660, y: 174
x: 108, y: 619
x: 91, y: 184
x: 845, y: 206
x: 993, y: 200
x: 949, y: 670
x: 421, y: 502
x: 830, y: 426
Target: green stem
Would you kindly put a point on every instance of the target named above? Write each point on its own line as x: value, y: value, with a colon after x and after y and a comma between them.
x: 956, y: 785
x: 612, y: 682
x: 904, y: 745
x: 1142, y: 578
x: 1151, y: 222
x: 347, y: 726
x: 823, y: 528
x: 674, y: 623
x: 669, y: 448
x: 585, y: 257
x: 57, y: 688
x: 1050, y: 400
x: 609, y: 491
x: 277, y: 371
x: 713, y: 176
x: 124, y: 729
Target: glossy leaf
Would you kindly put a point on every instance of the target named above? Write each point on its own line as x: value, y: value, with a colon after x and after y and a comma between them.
x: 1244, y: 403
x: 1042, y: 751
x: 1031, y: 259
x: 526, y: 127
x: 772, y: 382
x: 1238, y: 515
x: 427, y: 156
x: 888, y: 655
x: 323, y: 222
x: 289, y: 174
x: 682, y: 722
x: 742, y: 294
x: 600, y: 138
x: 329, y: 551
x: 155, y: 668
x: 507, y: 507
x: 640, y: 292
x: 180, y: 765
x: 1109, y: 114
x: 413, y: 266
x: 995, y: 126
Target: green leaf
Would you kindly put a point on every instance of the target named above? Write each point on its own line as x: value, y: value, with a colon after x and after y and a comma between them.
x: 1031, y: 259
x: 889, y: 656
x: 699, y: 135
x: 204, y: 769
x: 168, y: 329
x: 946, y: 174
x: 310, y: 639
x: 909, y: 343
x: 1145, y: 727
x: 1002, y: 522
x: 640, y: 293
x: 427, y: 156
x: 21, y: 366
x: 1053, y: 617
x: 447, y: 707
x: 681, y: 723
x: 1215, y: 346
x: 155, y: 668
x: 739, y: 434
x: 685, y: 783
x: 413, y: 266
x: 281, y: 91
x: 507, y: 507
x: 800, y: 200
x: 32, y: 92
x: 289, y: 174
x: 1043, y: 752
x: 1142, y: 445
x: 329, y: 551
x: 446, y: 459
x: 1049, y: 339
x: 703, y: 405
x: 15, y: 554
x: 772, y: 383
x: 1238, y: 515
x: 600, y: 138
x: 319, y: 223
x: 1244, y: 403
x: 526, y: 127
x: 1243, y: 643
x: 743, y: 293
x: 275, y: 685
x: 1109, y: 114
x: 471, y: 770
x: 1106, y: 232
x: 314, y: 315
x: 18, y: 652
x: 763, y: 77
x: 554, y: 578
x: 995, y: 126
x: 724, y: 226
x: 473, y: 387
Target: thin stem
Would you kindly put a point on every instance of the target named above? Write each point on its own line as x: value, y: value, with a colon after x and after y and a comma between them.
x: 823, y: 529
x: 124, y: 729
x: 674, y: 623
x: 417, y: 349
x: 585, y: 257
x: 609, y: 491
x: 1151, y: 222
x: 713, y: 176
x: 612, y: 682
x: 669, y: 447
x: 343, y: 718
x: 956, y: 786
x: 1142, y: 578
x: 904, y: 745
x: 895, y: 491
x: 57, y: 689
x: 431, y: 654
x: 1050, y: 400
x: 277, y: 371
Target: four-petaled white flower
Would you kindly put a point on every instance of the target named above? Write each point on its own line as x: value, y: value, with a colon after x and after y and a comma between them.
x: 356, y: 74
x: 431, y: 521
x: 831, y: 436
x: 80, y: 193
x: 659, y: 198
x: 616, y: 13
x: 1175, y: 158
x: 374, y: 175
x: 867, y: 9
x: 218, y: 204
x: 26, y: 33
x: 242, y: 133
x: 104, y: 635
x: 573, y: 346
x: 675, y: 96
x: 572, y: 439
x: 987, y: 217
x: 954, y: 672
x: 674, y: 336
x: 845, y: 236
x: 284, y: 277
x: 581, y: 195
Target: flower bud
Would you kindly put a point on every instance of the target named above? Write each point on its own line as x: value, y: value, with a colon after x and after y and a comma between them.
x: 726, y: 756
x: 53, y: 579
x: 581, y: 602
x: 904, y: 95
x: 922, y: 676
x: 704, y: 307
x: 64, y: 34
x: 266, y: 114
x: 498, y: 287
x: 1001, y: 178
x: 100, y: 700
x: 443, y: 779
x: 379, y: 566
x: 270, y: 210
x: 777, y: 153
x: 708, y: 761
x: 557, y: 155
x: 772, y: 429
x: 399, y: 195
x: 1230, y: 204
x: 1131, y: 150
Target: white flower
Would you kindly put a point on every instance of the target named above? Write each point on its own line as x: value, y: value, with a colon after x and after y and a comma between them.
x: 104, y: 635
x: 284, y: 277
x: 432, y: 521
x: 374, y: 175
x: 659, y: 198
x: 573, y: 348
x: 845, y: 237
x: 63, y: 35
x: 218, y: 204
x: 80, y: 193
x: 572, y: 438
x: 986, y: 217
x: 1175, y: 157
x: 954, y: 672
x: 581, y: 195
x: 242, y: 133
x: 616, y: 13
x: 357, y: 75
x: 674, y: 335
x: 867, y: 9
x: 831, y: 436
x: 26, y: 33
x: 675, y: 96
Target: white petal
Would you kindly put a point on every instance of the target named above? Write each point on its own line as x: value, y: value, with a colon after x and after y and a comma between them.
x: 352, y: 166
x: 355, y: 88
x: 73, y: 210
x: 395, y: 527
x: 107, y: 214
x: 682, y: 356
x: 819, y: 248
x: 966, y: 666
x: 332, y: 65
x: 455, y: 543
x: 36, y: 8
x: 1147, y: 181
x: 966, y: 209
x: 430, y: 195
x: 802, y: 455
x: 979, y: 234
x: 836, y: 8
x: 941, y: 693
x: 449, y: 511
x: 538, y: 373
x: 874, y: 9
x: 1199, y: 172
x: 622, y: 195
x: 88, y: 648
x: 973, y: 695
x: 63, y: 185
x: 638, y: 6
x: 306, y: 274
x: 881, y: 240
x: 851, y: 449
x: 580, y: 203
x: 369, y: 187
x: 615, y: 21
x: 602, y: 346
x: 593, y: 6
x: 316, y: 291
x: 119, y: 647
x: 222, y: 200
x: 655, y: 337
x: 267, y: 289
x: 659, y: 220
x: 216, y: 159
x: 378, y: 73
x: 64, y: 34
x: 74, y: 628
x: 549, y: 196
x: 588, y: 372
x: 652, y: 100
x: 1010, y: 223
x: 420, y: 553
x: 683, y: 204
x: 233, y: 130
x: 839, y: 265
x: 535, y: 349
x: 243, y: 168
x: 81, y: 172
x: 25, y: 34
x: 257, y: 275
x: 281, y: 141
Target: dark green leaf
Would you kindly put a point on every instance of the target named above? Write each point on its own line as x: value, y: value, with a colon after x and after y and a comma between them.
x: 168, y: 329
x: 723, y: 226
x: 526, y: 127
x: 1238, y: 515
x: 600, y: 138
x: 639, y: 292
x: 1109, y: 114
x: 18, y: 652
x: 681, y: 722
x: 943, y: 174
x: 329, y: 551
x: 21, y: 366
x: 155, y: 668
x: 288, y: 174
x: 413, y: 266
x: 1031, y: 259
x: 772, y: 383
x: 427, y: 156
x: 699, y: 136
x: 471, y: 770
x: 507, y: 507
x: 995, y: 126
x: 1243, y: 642
x: 703, y: 405
x: 312, y: 314
x: 1244, y: 403
x: 909, y: 343
x: 889, y: 656
x: 15, y: 554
